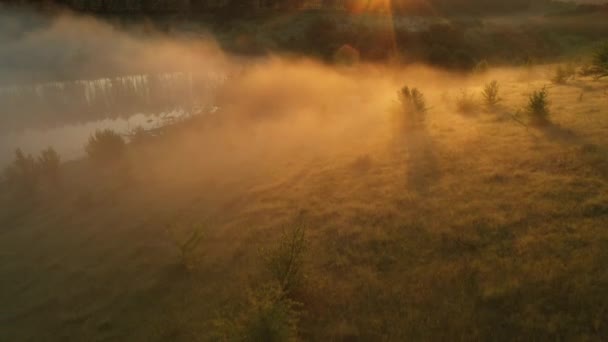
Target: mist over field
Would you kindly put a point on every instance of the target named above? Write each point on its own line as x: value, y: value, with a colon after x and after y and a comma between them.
x: 300, y: 170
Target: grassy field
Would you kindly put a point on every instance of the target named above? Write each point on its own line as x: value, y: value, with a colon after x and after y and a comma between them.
x: 471, y: 227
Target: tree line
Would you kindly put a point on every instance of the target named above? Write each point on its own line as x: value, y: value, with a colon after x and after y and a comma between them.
x: 236, y: 7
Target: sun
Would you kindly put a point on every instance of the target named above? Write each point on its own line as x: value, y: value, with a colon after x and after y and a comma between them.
x: 360, y: 6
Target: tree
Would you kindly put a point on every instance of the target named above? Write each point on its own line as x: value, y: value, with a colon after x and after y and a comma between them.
x: 48, y: 164
x: 105, y: 145
x: 22, y: 174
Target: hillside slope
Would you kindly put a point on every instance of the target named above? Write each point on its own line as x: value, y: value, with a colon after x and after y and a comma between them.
x: 471, y: 228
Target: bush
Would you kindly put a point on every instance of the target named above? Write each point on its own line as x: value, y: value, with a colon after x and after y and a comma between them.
x: 563, y: 74
x: 267, y: 316
x: 466, y: 103
x: 490, y: 94
x: 413, y: 105
x: 599, y: 62
x: 481, y: 67
x: 48, y: 164
x: 346, y: 55
x: 270, y: 313
x: 25, y: 173
x: 273, y: 317
x: 286, y: 261
x: 538, y: 107
x: 105, y: 145
x: 22, y: 175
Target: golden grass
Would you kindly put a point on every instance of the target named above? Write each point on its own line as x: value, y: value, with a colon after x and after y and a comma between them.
x: 474, y: 228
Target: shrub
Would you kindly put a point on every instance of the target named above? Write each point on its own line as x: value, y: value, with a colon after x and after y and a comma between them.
x: 346, y: 55
x: 538, y: 107
x: 273, y: 317
x: 48, y: 164
x: 267, y: 316
x: 105, y: 145
x: 490, y: 94
x: 187, y: 240
x: 286, y: 261
x: 413, y: 105
x: 466, y: 103
x: 25, y: 173
x: 481, y: 67
x: 563, y: 74
x: 599, y: 62
x: 22, y: 175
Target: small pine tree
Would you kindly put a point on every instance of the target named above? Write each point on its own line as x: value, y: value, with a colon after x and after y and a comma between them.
x: 286, y: 261
x: 538, y: 107
x: 413, y: 105
x: 490, y: 94
x: 418, y: 101
x: 267, y: 315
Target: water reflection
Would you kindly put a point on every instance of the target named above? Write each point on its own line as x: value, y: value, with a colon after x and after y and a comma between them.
x: 64, y: 114
x: 58, y: 103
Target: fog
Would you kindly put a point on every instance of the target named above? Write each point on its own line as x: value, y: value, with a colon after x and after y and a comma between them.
x: 66, y: 76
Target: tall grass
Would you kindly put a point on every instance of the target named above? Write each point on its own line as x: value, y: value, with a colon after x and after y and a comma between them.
x: 187, y: 240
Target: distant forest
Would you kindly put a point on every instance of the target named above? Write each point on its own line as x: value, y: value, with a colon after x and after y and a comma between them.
x: 243, y: 7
